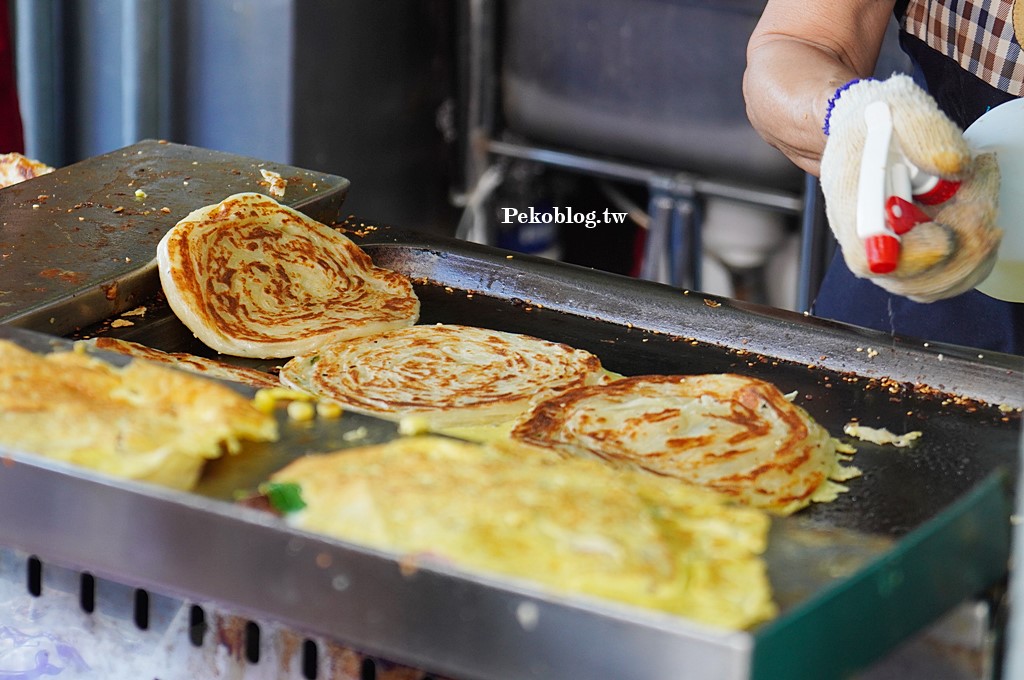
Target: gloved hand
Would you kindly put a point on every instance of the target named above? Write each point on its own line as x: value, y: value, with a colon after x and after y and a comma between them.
x: 940, y: 258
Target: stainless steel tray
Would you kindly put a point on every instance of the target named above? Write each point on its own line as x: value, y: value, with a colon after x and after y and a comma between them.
x: 83, y: 238
x: 921, y: 531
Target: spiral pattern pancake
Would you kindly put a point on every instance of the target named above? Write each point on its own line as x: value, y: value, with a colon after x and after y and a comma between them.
x: 734, y: 434
x: 210, y: 368
x: 253, y: 278
x: 451, y: 375
x: 16, y: 168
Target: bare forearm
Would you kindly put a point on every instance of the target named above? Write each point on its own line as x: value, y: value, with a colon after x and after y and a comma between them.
x: 797, y: 57
x: 787, y: 86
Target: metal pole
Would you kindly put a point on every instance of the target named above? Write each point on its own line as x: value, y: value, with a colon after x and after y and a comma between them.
x: 39, y: 60
x: 815, y: 246
x: 141, y: 75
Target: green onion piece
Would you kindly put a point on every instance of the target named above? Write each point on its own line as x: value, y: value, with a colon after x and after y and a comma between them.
x: 285, y: 497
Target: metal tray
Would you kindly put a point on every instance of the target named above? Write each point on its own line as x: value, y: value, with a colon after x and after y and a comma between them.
x: 84, y: 236
x: 922, y: 530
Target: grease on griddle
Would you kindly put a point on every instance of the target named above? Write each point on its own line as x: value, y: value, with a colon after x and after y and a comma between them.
x: 62, y: 274
x: 352, y: 225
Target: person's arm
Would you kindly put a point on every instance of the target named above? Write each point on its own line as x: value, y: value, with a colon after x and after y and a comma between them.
x: 799, y: 54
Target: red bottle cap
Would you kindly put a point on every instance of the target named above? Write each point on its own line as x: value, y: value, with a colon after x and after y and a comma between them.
x: 883, y: 253
x: 943, y: 190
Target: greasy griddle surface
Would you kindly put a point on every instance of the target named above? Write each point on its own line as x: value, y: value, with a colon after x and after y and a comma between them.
x: 963, y: 441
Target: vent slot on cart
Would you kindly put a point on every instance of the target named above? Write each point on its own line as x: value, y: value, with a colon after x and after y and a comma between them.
x: 103, y: 628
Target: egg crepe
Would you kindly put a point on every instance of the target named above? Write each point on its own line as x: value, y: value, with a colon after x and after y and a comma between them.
x: 573, y: 525
x: 210, y: 368
x: 142, y: 421
x: 449, y: 375
x: 737, y: 435
x: 253, y: 278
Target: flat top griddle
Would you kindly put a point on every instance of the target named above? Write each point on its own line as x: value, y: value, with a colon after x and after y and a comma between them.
x: 924, y: 528
x: 901, y: 488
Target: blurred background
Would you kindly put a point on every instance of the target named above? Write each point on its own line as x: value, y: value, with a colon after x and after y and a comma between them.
x: 443, y: 112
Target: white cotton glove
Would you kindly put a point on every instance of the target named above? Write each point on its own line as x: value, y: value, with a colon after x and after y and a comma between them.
x: 953, y: 252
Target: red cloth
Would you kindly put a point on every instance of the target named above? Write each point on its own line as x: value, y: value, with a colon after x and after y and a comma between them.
x: 11, y: 134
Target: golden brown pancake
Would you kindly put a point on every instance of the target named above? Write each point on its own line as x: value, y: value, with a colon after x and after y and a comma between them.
x: 254, y: 278
x: 210, y: 368
x: 737, y: 435
x: 15, y: 168
x: 450, y: 375
x: 568, y: 524
x: 142, y: 421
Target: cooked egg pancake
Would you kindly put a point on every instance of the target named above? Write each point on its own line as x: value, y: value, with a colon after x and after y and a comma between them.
x: 142, y: 421
x: 251, y: 277
x: 730, y: 433
x: 451, y: 375
x: 573, y: 525
x: 210, y: 368
x: 15, y: 168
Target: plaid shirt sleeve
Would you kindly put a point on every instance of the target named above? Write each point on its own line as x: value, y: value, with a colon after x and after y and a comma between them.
x: 979, y: 35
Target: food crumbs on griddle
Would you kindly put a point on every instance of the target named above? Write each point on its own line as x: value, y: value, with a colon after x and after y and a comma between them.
x: 301, y: 411
x: 328, y: 409
x: 138, y: 311
x: 165, y: 210
x: 119, y: 209
x: 121, y: 323
x: 413, y: 425
x: 356, y: 434
x: 407, y: 565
